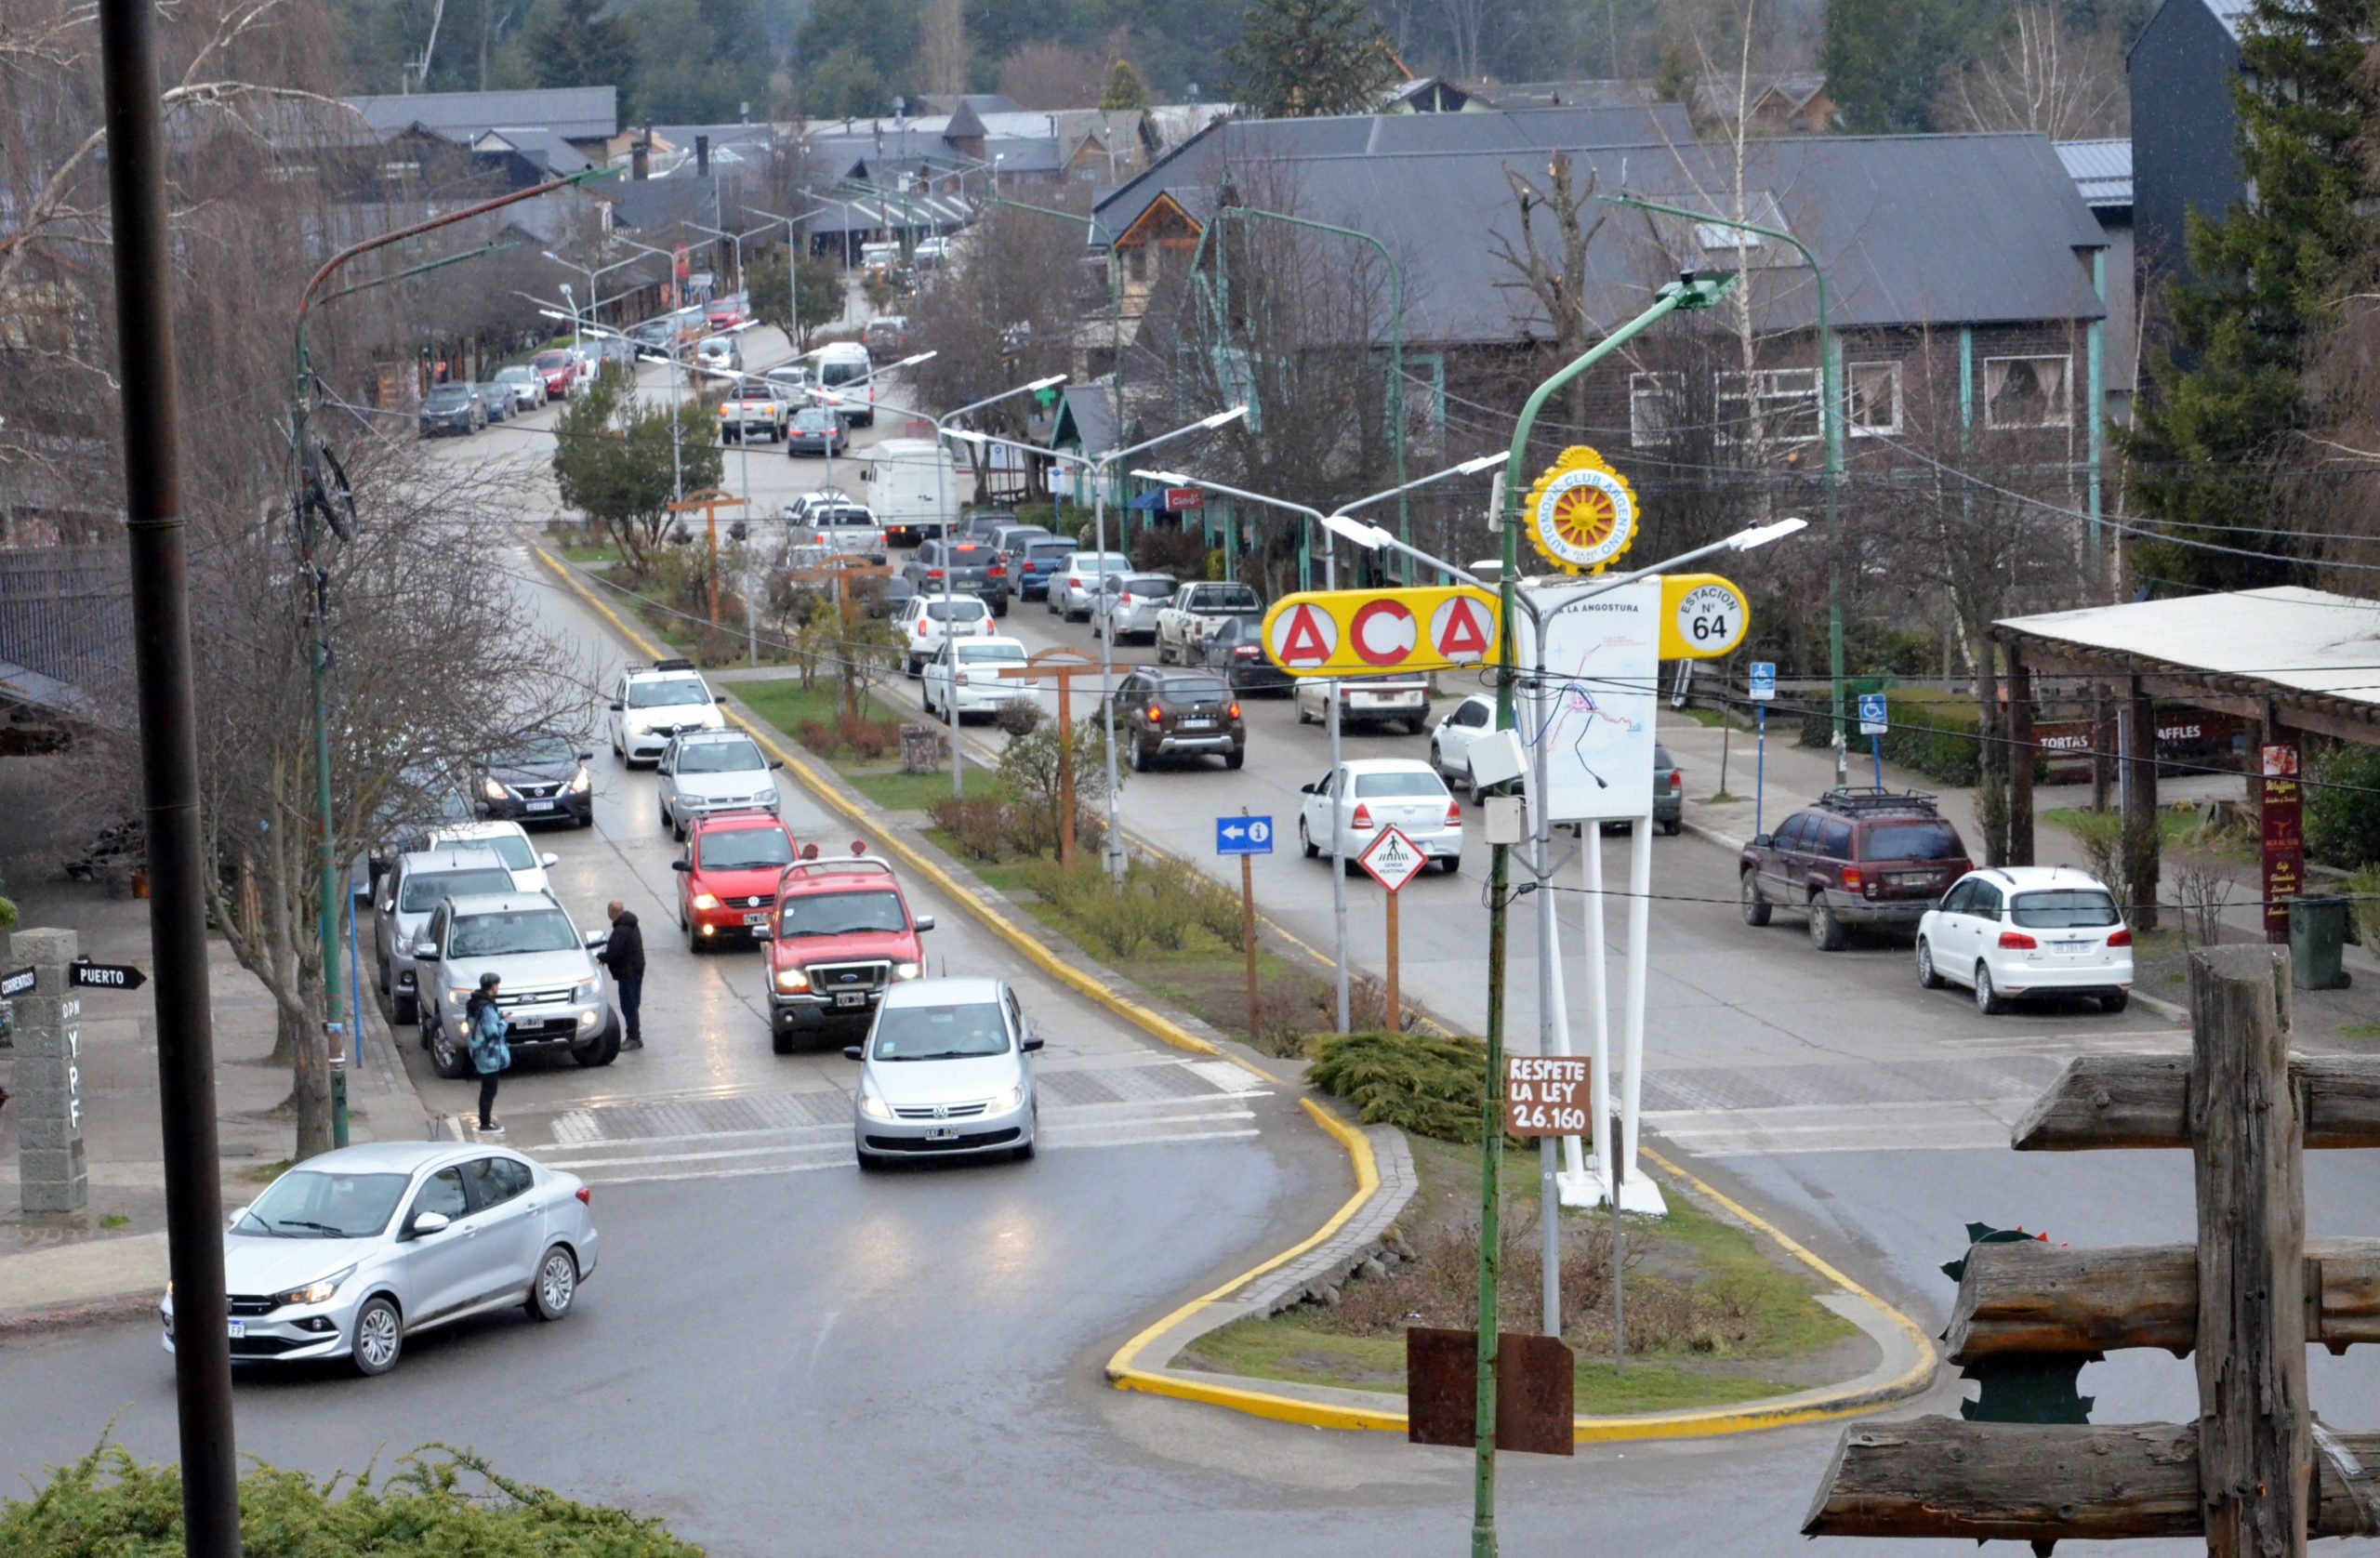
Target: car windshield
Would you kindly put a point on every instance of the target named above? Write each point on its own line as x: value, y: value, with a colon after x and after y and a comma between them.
x: 551, y: 359
x: 667, y: 691
x: 1388, y: 785
x: 1223, y: 599
x: 840, y: 372
x: 745, y: 849
x: 719, y: 757
x: 940, y: 1033
x: 1186, y: 689
x: 537, y: 751
x: 1013, y: 654
x: 510, y: 931
x: 423, y: 888
x: 310, y: 1204
x: 816, y: 419
x: 514, y: 375
x: 511, y: 848
x: 955, y: 610
x: 1148, y: 587
x: 447, y: 395
x: 1911, y: 842
x: 2065, y: 908
x: 1039, y: 549
x: 832, y: 519
x: 842, y: 914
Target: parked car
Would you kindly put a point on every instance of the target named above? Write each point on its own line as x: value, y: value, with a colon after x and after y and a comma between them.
x: 980, y: 524
x: 1373, y: 793
x: 886, y: 336
x: 1037, y: 564
x: 1009, y: 541
x: 928, y: 620
x: 973, y: 569
x: 552, y: 992
x: 1853, y: 857
x: 720, y: 353
x: 931, y: 253
x: 1235, y: 651
x: 353, y: 1252
x: 527, y: 389
x: 727, y: 885
x: 704, y: 771
x: 793, y: 380
x: 510, y: 843
x: 540, y: 778
x: 944, y: 1071
x: 452, y: 408
x: 649, y: 703
x: 409, y: 892
x: 1072, y: 595
x: 886, y: 595
x: 1451, y: 739
x: 815, y: 430
x: 1366, y: 701
x: 559, y: 369
x: 843, y: 370
x: 725, y: 313
x: 1178, y: 714
x: 658, y: 336
x: 843, y: 936
x: 496, y: 399
x: 1127, y: 605
x: 2014, y: 931
x: 978, y: 687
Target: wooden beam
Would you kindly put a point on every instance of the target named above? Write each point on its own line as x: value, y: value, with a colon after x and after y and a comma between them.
x: 2143, y: 1100
x: 2030, y: 1298
x: 2039, y: 1482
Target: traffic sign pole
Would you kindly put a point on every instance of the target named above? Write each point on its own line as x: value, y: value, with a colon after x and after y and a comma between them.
x: 1248, y: 932
x: 1764, y: 693
x: 1393, y: 1005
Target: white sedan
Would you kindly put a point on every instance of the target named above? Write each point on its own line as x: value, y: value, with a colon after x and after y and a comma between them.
x: 2008, y: 931
x: 982, y: 689
x: 1373, y: 793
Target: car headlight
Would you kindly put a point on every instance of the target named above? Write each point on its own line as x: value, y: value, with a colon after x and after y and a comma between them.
x: 585, y: 990
x: 315, y: 1292
x: 792, y: 978
x: 580, y: 781
x: 1004, y: 1101
x: 874, y: 1107
x: 492, y: 789
x: 905, y: 970
x: 706, y: 900
x: 638, y: 727
x: 458, y: 995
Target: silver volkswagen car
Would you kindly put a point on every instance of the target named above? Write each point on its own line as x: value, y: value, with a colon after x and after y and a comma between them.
x: 944, y: 1073
x: 352, y: 1251
x: 713, y: 771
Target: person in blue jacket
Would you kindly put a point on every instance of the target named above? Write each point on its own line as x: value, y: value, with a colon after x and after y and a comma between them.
x: 490, y: 1049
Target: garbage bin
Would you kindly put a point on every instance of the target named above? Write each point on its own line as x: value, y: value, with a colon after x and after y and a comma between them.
x: 2317, y: 932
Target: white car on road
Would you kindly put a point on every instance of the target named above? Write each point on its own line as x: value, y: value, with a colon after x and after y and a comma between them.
x: 527, y: 387
x: 1074, y: 592
x: 1461, y: 725
x: 511, y: 842
x: 649, y: 704
x: 981, y: 687
x: 944, y: 1074
x: 1128, y: 605
x: 929, y: 620
x: 1373, y: 793
x: 713, y: 771
x: 2010, y: 931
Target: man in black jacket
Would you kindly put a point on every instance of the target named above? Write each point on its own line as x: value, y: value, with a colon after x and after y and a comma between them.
x: 623, y: 954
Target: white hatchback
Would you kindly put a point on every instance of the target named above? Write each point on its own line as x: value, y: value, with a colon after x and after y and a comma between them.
x: 2009, y: 932
x: 982, y: 688
x: 511, y: 842
x: 928, y: 621
x: 1074, y: 592
x: 1373, y: 793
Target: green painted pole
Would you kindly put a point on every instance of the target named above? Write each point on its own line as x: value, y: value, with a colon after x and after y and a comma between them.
x: 1691, y: 293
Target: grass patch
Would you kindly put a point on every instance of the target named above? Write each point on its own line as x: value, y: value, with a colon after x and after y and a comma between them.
x: 916, y: 792
x: 2360, y: 1030
x: 786, y: 704
x: 115, y: 1220
x: 265, y: 1173
x: 589, y: 552
x: 2173, y: 828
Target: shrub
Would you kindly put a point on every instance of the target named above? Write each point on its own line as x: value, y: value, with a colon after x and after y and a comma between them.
x: 1159, y: 907
x: 2343, y: 806
x: 1182, y: 553
x: 1285, y: 1020
x: 978, y: 827
x: 439, y: 1503
x: 1019, y: 717
x: 1939, y: 734
x: 1429, y: 1085
x: 864, y: 738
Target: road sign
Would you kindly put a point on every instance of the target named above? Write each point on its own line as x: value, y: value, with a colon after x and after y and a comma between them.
x: 1364, y: 632
x: 106, y: 976
x: 1703, y: 617
x: 1872, y: 714
x: 16, y: 981
x: 1243, y: 835
x: 1182, y: 500
x: 1763, y: 682
x: 1393, y: 859
x: 1546, y: 1095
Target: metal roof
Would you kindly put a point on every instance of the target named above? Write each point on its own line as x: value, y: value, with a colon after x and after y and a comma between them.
x: 546, y: 150
x: 2101, y: 171
x: 1088, y: 411
x: 572, y: 112
x: 2305, y: 640
x: 2233, y: 14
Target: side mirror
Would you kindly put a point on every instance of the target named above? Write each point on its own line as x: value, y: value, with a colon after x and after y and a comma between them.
x: 851, y: 1051
x: 681, y: 865
x: 775, y: 763
x: 427, y: 1224
x: 1032, y: 1042
x: 924, y: 922
x: 598, y: 940
x: 549, y: 860
x: 1762, y: 841
x: 1309, y: 789
x: 616, y: 708
x: 425, y: 952
x: 587, y: 756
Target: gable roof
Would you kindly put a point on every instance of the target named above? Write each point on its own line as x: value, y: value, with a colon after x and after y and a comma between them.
x: 546, y: 151
x: 1086, y: 418
x: 2101, y: 171
x: 571, y: 113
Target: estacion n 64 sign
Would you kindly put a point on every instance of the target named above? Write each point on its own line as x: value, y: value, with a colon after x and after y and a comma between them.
x: 1581, y: 513
x: 1369, y: 632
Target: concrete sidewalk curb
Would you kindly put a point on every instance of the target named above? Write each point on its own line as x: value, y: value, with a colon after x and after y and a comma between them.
x: 82, y: 1313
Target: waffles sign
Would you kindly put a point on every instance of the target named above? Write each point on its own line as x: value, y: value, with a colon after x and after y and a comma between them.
x: 1582, y: 514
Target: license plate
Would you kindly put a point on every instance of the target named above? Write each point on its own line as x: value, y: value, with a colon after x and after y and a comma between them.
x: 850, y: 998
x: 1380, y: 697
x: 2070, y: 948
x: 942, y: 1133
x: 239, y: 1329
x: 541, y: 806
x: 1197, y: 724
x: 760, y: 919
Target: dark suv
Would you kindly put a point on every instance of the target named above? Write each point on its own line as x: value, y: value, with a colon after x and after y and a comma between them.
x: 974, y: 569
x: 1853, y: 857
x: 1179, y: 714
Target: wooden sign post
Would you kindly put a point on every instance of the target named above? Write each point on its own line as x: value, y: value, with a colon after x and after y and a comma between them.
x: 710, y: 501
x: 1393, y: 860
x: 1060, y: 666
x: 2245, y: 1301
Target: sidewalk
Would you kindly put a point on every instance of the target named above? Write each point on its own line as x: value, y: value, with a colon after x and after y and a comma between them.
x: 1798, y: 775
x: 111, y: 1258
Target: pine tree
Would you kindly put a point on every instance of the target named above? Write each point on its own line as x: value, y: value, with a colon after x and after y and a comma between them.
x: 1126, y: 93
x: 569, y: 43
x: 1301, y: 59
x: 2230, y: 391
x: 1883, y: 59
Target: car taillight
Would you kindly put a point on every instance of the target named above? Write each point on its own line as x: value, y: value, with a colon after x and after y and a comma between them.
x: 1851, y: 878
x: 922, y: 630
x: 1231, y: 711
x: 2016, y: 940
x: 586, y: 1197
x: 933, y: 573
x: 1363, y: 817
x: 1677, y: 780
x: 1245, y: 651
x: 996, y: 572
x: 1454, y: 814
x: 2120, y: 938
x: 1157, y: 714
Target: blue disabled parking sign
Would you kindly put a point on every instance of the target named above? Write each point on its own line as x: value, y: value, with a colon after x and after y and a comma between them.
x: 1872, y: 719
x: 1243, y: 835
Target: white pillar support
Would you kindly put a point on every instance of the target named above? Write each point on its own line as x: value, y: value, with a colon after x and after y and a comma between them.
x: 1637, y: 1194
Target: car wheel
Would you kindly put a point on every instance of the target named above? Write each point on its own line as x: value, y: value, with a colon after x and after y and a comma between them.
x: 1001, y: 609
x: 1928, y: 976
x: 403, y: 1008
x: 557, y: 1285
x: 1825, y: 932
x: 1303, y: 718
x: 1987, y: 999
x: 780, y: 1040
x: 586, y: 818
x: 1449, y: 864
x: 1237, y: 758
x: 445, y: 1058
x: 916, y: 667
x: 1139, y: 754
x: 1755, y: 906
x: 379, y: 1338
x: 1417, y: 724
x: 1674, y: 826
x: 1306, y: 842
x: 869, y: 1162
x: 1023, y: 1152
x: 383, y: 971
x: 2115, y: 1000
x: 604, y: 1050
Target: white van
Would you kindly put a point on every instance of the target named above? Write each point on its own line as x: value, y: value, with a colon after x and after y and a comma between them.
x: 913, y: 485
x: 841, y: 363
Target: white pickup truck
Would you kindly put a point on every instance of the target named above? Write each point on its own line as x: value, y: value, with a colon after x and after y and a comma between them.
x: 1366, y: 701
x: 1182, y: 626
x: 837, y: 530
x: 747, y: 412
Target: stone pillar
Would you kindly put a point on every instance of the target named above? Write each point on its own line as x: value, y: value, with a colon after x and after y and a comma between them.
x: 49, y: 1077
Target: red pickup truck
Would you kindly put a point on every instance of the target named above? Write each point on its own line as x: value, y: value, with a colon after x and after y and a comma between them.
x: 843, y: 935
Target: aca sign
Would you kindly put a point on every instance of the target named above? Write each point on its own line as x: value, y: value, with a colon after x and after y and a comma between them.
x: 1359, y: 633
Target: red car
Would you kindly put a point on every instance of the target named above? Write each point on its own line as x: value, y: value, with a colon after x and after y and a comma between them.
x: 845, y: 936
x: 723, y: 313
x: 731, y: 869
x: 559, y: 369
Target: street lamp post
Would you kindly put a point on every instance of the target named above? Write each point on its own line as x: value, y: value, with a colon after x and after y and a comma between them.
x: 676, y: 408
x: 737, y: 240
x: 592, y: 272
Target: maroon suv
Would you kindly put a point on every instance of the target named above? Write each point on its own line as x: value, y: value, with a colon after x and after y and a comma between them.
x: 1853, y: 857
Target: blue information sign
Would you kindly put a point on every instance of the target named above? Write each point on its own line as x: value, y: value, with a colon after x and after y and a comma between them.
x: 1243, y: 835
x: 1763, y: 682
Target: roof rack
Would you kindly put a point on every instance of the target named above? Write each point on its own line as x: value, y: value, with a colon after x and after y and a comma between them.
x: 1858, y: 800
x: 674, y: 665
x: 833, y: 863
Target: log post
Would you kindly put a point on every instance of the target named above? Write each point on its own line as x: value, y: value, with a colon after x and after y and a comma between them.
x: 2255, y: 1446
x: 2140, y: 840
x: 2020, y: 756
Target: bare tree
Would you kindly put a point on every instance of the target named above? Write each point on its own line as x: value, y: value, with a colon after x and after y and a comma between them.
x: 1558, y: 286
x: 943, y: 50
x: 1050, y: 75
x: 2043, y: 76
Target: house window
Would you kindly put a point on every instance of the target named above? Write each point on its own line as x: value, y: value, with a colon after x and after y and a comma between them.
x: 1655, y: 409
x: 2027, y: 392
x: 1874, y: 389
x: 1136, y: 263
x: 1781, y: 403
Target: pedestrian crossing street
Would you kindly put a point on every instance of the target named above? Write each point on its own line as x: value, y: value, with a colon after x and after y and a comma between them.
x: 1111, y: 1100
